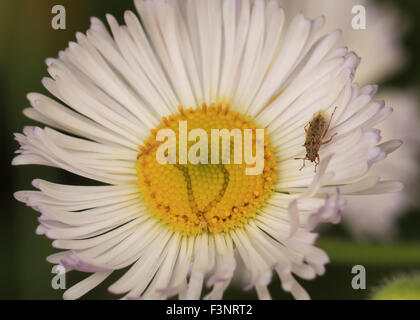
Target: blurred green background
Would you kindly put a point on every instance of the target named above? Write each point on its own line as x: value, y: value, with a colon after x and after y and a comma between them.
x: 26, y: 40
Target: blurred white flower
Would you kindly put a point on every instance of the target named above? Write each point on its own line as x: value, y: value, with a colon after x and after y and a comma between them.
x: 382, y: 54
x: 378, y: 220
x: 379, y: 45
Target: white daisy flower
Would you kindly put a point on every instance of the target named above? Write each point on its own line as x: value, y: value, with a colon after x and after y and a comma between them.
x: 383, y: 32
x: 214, y: 64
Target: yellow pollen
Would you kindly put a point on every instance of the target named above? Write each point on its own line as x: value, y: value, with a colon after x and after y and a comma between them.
x: 213, y: 198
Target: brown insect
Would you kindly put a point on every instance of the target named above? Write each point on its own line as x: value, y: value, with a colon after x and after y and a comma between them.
x: 316, y: 130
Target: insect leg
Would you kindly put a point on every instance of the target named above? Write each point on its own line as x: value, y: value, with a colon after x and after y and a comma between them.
x: 329, y: 140
x: 329, y: 122
x: 317, y: 162
x: 303, y: 166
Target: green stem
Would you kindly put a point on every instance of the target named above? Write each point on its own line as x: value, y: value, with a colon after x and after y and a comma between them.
x: 350, y: 252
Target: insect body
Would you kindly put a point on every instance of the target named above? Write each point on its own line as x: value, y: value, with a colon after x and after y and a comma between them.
x: 316, y: 131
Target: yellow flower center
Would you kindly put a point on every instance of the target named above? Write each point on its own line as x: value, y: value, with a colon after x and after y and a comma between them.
x: 197, y: 198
